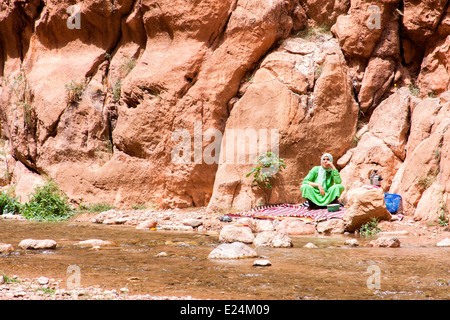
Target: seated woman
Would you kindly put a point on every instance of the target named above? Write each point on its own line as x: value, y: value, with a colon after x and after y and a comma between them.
x: 322, y: 185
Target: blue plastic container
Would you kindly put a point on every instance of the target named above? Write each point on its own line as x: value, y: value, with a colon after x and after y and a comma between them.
x: 392, y: 201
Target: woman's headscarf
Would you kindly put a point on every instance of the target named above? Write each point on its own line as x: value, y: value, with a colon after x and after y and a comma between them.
x: 322, y: 175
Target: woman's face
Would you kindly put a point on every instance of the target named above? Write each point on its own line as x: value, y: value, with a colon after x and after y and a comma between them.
x: 325, y: 161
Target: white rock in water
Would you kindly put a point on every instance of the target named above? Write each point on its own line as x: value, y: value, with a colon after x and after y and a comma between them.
x: 37, y: 244
x: 262, y: 225
x: 262, y: 263
x: 194, y: 223
x: 351, y: 243
x: 310, y: 246
x: 147, y: 224
x: 109, y: 221
x: 444, y: 243
x: 6, y: 247
x: 43, y: 280
x: 161, y: 254
x: 93, y: 242
x: 121, y: 220
x: 235, y: 250
x: 177, y: 228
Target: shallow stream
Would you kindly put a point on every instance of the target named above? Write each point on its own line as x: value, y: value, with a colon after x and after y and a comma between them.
x: 417, y: 270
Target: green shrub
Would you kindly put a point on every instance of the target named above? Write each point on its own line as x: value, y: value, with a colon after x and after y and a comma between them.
x: 139, y: 206
x: 9, y: 204
x: 8, y: 279
x: 370, y: 228
x: 267, y: 166
x: 48, y: 203
x: 95, y: 207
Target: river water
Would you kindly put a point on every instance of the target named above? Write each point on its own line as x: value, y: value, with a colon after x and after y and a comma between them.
x: 417, y: 270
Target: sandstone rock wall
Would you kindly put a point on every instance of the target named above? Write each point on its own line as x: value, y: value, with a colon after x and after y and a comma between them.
x: 100, y: 108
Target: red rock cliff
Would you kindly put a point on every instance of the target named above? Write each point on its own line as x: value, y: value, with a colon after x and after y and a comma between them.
x: 97, y: 95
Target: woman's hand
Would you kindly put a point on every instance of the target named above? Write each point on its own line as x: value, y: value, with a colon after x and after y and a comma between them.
x: 316, y: 185
x: 322, y: 191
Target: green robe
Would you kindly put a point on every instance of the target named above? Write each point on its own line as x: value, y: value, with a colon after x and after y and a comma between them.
x: 333, y: 187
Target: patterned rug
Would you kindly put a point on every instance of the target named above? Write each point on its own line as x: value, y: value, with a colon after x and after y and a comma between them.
x: 287, y: 210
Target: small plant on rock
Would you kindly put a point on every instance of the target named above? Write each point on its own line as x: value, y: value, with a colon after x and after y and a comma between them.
x: 8, y: 279
x: 75, y: 90
x: 443, y: 220
x: 95, y: 207
x: 443, y: 212
x: 268, y: 165
x: 370, y: 228
x: 24, y: 97
x: 127, y: 65
x: 414, y: 89
x: 116, y: 90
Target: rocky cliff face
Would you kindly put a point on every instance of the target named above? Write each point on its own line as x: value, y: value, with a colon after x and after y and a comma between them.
x: 97, y: 95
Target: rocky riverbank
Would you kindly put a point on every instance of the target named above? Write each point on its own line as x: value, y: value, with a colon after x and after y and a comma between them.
x: 198, y: 220
x: 247, y: 232
x: 43, y: 288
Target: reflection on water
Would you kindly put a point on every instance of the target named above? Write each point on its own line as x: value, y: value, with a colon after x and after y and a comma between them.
x: 415, y: 271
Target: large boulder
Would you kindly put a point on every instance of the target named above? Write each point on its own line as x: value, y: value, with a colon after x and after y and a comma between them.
x: 295, y: 227
x: 272, y: 239
x: 385, y: 242
x: 421, y: 18
x: 231, y: 233
x: 363, y: 205
x: 331, y: 226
